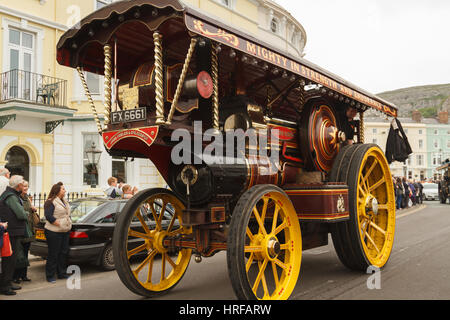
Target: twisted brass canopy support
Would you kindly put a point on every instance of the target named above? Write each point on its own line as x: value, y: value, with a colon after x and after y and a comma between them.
x: 361, y: 126
x: 90, y: 100
x: 108, y: 76
x: 159, y: 78
x: 181, y: 81
x: 215, y: 79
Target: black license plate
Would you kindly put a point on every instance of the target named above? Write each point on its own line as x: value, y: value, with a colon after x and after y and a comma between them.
x: 131, y: 115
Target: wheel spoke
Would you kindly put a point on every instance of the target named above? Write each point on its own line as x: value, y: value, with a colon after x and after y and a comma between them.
x: 377, y: 227
x: 280, y: 228
x: 161, y: 214
x: 372, y: 242
x: 284, y: 247
x: 176, y: 232
x: 260, y: 223
x: 275, y: 274
x: 249, y: 262
x: 136, y: 250
x: 248, y: 249
x: 172, y: 222
x: 368, y: 172
x: 383, y: 207
x: 133, y: 233
x: 264, y: 283
x: 249, y: 234
x: 376, y: 185
x: 146, y: 260
x: 169, y: 259
x: 281, y: 264
x: 163, y: 267
x: 262, y: 269
x: 141, y: 219
x: 275, y: 217
x: 155, y: 216
x: 150, y: 268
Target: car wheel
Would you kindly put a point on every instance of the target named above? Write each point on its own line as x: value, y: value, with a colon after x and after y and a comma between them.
x: 107, y: 262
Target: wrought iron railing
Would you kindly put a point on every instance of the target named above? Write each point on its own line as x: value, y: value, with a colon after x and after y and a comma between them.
x: 38, y: 200
x: 33, y: 87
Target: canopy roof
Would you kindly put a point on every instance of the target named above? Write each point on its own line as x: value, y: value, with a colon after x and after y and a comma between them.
x: 131, y: 23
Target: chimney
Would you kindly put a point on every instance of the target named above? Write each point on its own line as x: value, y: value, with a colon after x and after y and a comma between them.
x: 443, y: 117
x: 416, y: 116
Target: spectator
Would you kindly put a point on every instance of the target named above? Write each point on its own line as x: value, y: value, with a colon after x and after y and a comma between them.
x: 128, y: 193
x: 12, y: 211
x: 113, y: 191
x: 399, y: 193
x: 420, y: 192
x: 57, y: 231
x: 412, y: 193
x: 4, y: 179
x: 406, y: 194
x: 22, y: 264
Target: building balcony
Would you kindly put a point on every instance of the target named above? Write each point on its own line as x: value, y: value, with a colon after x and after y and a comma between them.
x: 33, y: 95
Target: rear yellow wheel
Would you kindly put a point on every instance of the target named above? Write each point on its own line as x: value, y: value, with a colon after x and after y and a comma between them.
x: 368, y: 237
x: 145, y: 224
x: 264, y: 245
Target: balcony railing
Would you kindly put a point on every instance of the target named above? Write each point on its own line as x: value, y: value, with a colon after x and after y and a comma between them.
x: 19, y: 85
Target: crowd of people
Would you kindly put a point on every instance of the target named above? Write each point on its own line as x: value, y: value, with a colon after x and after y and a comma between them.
x: 19, y: 219
x: 118, y: 189
x: 408, y: 192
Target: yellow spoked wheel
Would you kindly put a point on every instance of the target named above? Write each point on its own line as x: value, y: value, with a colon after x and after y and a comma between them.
x: 264, y: 245
x: 368, y: 237
x: 144, y: 262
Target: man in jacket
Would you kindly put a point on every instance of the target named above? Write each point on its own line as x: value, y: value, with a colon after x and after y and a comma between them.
x: 12, y: 212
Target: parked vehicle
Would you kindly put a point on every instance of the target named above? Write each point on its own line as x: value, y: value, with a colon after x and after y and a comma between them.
x: 94, y: 220
x: 430, y: 191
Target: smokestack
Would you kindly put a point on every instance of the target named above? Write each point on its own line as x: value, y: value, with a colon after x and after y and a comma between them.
x: 443, y: 117
x: 416, y: 116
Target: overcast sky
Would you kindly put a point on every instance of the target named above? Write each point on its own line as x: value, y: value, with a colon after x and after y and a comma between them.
x: 379, y: 45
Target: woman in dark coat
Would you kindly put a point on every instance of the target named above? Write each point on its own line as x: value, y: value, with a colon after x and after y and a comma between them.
x: 22, y: 263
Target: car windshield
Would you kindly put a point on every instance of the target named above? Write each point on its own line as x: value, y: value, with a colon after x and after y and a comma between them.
x: 430, y: 186
x: 81, y: 209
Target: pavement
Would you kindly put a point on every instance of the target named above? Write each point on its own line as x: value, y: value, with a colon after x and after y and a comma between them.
x: 418, y: 268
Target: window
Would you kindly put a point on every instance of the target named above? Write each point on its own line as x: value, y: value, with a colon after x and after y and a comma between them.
x: 420, y: 132
x: 274, y: 25
x: 374, y: 130
x: 420, y: 144
x: 436, y: 144
x: 419, y: 159
x: 226, y: 3
x: 375, y: 141
x: 90, y: 172
x: 21, y: 58
x: 436, y: 132
x: 93, y: 82
x: 409, y: 162
x: 119, y: 169
x: 101, y: 3
x: 406, y: 131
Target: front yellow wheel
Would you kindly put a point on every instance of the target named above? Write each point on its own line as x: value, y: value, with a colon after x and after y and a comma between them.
x: 143, y: 229
x: 368, y: 237
x: 264, y: 245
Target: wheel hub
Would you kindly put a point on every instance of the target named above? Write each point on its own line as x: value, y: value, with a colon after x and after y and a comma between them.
x: 158, y: 242
x: 273, y: 248
x: 372, y: 205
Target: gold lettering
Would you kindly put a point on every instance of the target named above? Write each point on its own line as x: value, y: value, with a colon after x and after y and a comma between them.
x: 265, y: 54
x: 251, y: 47
x: 295, y: 67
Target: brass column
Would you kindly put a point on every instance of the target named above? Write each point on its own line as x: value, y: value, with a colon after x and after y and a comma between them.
x: 108, y: 77
x: 215, y: 79
x: 361, y: 126
x: 90, y: 100
x: 159, y: 85
x: 181, y: 81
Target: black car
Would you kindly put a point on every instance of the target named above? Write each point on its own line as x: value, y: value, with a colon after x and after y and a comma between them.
x: 94, y: 220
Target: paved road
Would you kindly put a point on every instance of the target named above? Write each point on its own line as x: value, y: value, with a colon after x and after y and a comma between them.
x: 418, y: 269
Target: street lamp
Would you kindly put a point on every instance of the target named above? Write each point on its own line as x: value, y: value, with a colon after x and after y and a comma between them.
x: 93, y: 156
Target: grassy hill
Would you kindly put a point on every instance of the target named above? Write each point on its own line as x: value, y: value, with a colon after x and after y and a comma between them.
x: 427, y: 99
